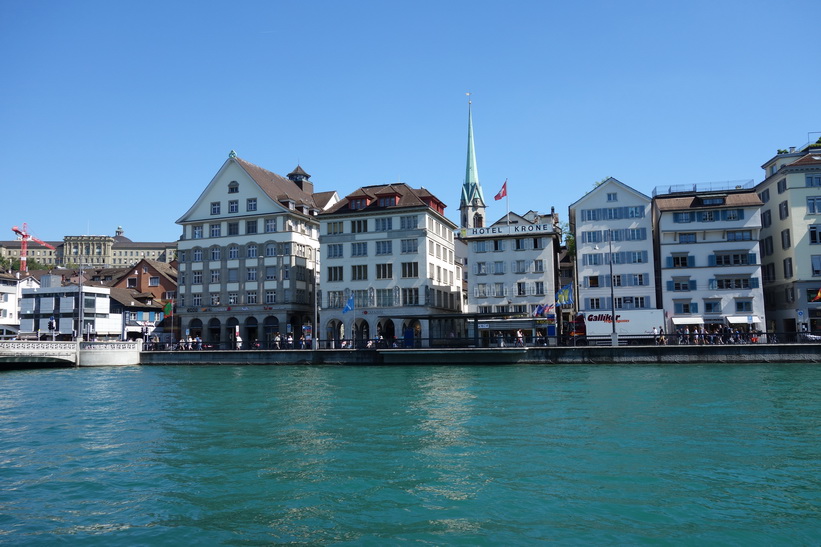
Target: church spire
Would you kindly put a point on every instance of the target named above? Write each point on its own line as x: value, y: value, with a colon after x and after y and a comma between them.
x: 472, y: 203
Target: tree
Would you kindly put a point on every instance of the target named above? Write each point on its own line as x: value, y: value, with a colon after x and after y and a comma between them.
x: 602, y: 181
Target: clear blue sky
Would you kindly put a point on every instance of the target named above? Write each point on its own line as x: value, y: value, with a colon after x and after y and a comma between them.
x: 119, y: 113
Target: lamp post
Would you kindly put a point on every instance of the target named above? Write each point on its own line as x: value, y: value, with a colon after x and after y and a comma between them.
x: 614, y: 336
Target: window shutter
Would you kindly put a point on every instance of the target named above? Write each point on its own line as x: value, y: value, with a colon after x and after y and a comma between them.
x: 694, y: 307
x: 712, y: 284
x: 670, y: 286
x: 711, y: 260
x: 751, y: 258
x: 754, y: 282
x: 691, y: 261
x: 741, y: 214
x: 692, y: 284
x: 669, y: 261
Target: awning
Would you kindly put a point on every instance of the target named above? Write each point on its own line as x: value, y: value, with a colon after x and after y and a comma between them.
x: 746, y: 319
x: 688, y: 321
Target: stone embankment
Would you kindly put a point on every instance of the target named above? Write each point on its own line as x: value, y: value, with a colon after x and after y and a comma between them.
x: 592, y: 355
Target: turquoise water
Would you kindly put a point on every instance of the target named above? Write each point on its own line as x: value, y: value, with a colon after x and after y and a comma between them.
x: 435, y: 455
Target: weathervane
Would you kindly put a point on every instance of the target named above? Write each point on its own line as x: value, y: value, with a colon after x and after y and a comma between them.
x: 468, y: 94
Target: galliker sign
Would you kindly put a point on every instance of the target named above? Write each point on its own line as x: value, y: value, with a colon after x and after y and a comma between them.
x: 506, y: 230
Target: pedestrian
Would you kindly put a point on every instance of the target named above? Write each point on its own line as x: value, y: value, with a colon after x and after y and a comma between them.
x: 239, y: 342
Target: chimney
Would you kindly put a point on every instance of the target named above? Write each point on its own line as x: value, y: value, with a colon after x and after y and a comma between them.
x: 792, y: 149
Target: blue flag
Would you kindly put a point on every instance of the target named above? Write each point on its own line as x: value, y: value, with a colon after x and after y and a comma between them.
x: 565, y: 295
x: 349, y: 306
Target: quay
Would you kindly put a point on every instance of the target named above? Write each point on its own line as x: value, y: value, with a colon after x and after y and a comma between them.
x: 585, y: 355
x: 20, y: 354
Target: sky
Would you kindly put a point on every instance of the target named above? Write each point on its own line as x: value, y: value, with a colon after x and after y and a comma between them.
x: 120, y: 113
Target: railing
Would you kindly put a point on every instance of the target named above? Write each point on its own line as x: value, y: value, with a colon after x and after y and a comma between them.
x: 704, y: 187
x: 699, y: 339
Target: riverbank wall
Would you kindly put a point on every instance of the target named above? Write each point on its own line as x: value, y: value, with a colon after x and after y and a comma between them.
x: 589, y: 355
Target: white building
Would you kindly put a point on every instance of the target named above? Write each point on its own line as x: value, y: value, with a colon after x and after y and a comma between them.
x: 52, y: 302
x: 512, y: 272
x: 613, y: 231
x: 791, y: 239
x: 248, y: 256
x: 391, y: 249
x: 708, y: 256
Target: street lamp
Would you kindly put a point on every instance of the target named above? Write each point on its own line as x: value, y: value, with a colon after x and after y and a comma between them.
x: 614, y: 337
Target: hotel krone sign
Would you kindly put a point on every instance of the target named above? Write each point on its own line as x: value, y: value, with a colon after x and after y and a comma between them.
x: 506, y: 230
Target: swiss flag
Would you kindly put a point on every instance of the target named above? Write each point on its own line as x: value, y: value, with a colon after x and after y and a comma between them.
x: 502, y: 193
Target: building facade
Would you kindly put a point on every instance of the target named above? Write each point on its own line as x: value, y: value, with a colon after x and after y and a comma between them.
x: 248, y: 256
x: 389, y: 268
x: 513, y: 267
x: 708, y: 257
x: 791, y: 239
x: 613, y: 232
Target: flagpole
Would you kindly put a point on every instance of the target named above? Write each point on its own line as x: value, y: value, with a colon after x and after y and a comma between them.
x: 507, y: 203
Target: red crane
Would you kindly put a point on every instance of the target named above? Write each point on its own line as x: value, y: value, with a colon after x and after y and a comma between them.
x: 25, y: 237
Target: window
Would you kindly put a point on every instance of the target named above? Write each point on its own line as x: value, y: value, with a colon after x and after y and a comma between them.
x: 359, y: 272
x: 521, y: 289
x: 410, y: 297
x: 131, y: 283
x: 742, y: 306
x: 359, y: 249
x: 540, y: 287
x: 196, y: 233
x: 712, y: 306
x: 270, y: 296
x: 251, y: 274
x: 335, y: 273
x: 612, y: 196
x: 816, y: 265
x: 499, y: 267
x: 410, y: 269
x: 216, y: 253
x: 196, y: 277
x: 683, y: 217
x: 270, y: 273
x: 335, y: 227
x: 813, y: 181
x: 270, y: 225
x: 251, y: 297
x: 782, y: 186
x: 410, y: 246
x: 766, y: 218
x: 783, y: 210
x: 739, y: 235
x: 713, y: 201
x: 233, y: 275
x: 519, y: 266
x: 251, y: 204
x: 384, y: 247
x: 335, y: 250
x: 233, y: 206
x: 384, y: 224
x: 251, y: 226
x: 215, y: 230
x: 233, y: 187
x: 520, y: 244
x: 707, y: 216
x: 358, y: 203
x: 787, y: 268
x: 233, y: 228
x: 215, y: 207
x: 384, y: 271
x: 785, y: 239
x: 251, y: 250
x: 215, y: 299
x: 409, y: 222
x: 814, y: 205
x: 215, y: 276
x: 359, y: 226
x: 595, y: 304
x: 681, y: 261
x: 687, y: 237
x: 196, y: 255
x: 765, y: 195
x: 815, y: 235
x: 196, y: 300
x: 233, y: 252
x: 384, y: 298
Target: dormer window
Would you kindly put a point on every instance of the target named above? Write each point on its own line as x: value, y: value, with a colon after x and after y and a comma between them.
x: 358, y: 203
x: 389, y: 201
x: 233, y: 187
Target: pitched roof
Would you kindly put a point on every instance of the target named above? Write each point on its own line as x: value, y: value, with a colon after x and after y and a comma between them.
x: 277, y: 187
x: 813, y: 158
x: 408, y: 197
x: 731, y: 200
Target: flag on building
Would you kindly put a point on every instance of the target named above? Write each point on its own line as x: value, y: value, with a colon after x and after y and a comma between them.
x: 565, y: 295
x: 502, y: 193
x: 349, y: 306
x: 817, y: 296
x: 167, y: 309
x: 538, y: 311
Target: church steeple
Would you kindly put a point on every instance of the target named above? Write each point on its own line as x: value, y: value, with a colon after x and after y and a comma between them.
x: 472, y: 204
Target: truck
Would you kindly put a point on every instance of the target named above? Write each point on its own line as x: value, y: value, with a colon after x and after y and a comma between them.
x: 634, y: 327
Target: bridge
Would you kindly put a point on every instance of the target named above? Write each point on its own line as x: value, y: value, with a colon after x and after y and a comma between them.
x: 21, y: 354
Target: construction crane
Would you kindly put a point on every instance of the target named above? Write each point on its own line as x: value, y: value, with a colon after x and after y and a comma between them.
x: 25, y: 237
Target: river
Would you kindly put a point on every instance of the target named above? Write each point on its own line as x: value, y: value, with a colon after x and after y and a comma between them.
x: 484, y: 455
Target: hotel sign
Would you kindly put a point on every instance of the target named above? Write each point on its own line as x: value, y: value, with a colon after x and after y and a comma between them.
x: 506, y: 230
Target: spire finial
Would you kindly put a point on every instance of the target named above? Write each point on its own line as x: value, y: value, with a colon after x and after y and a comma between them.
x: 469, y: 94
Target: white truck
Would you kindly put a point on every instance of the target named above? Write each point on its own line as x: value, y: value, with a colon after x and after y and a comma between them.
x: 633, y: 326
